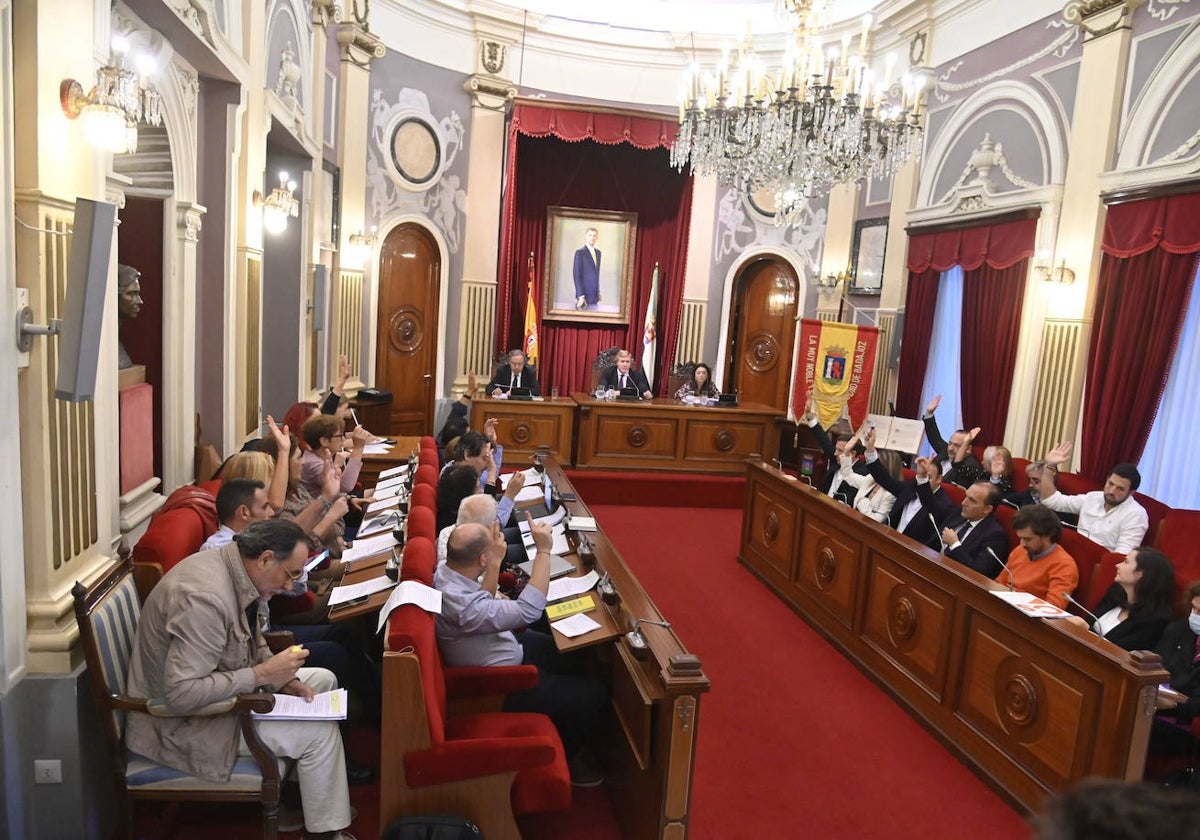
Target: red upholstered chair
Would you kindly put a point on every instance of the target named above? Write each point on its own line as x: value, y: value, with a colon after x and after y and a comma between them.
x: 422, y: 523
x: 1157, y: 512
x: 1087, y: 556
x: 429, y: 457
x: 420, y: 558
x: 1102, y: 578
x: 956, y: 493
x: 429, y: 441
x: 1074, y: 484
x: 427, y: 474
x: 1005, y: 514
x: 423, y: 495
x: 1177, y: 538
x: 199, y: 499
x: 488, y: 766
x: 171, y: 536
x: 1020, y: 478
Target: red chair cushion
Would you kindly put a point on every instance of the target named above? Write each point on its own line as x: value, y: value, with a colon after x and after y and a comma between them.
x: 429, y: 457
x: 1087, y: 556
x: 541, y: 787
x: 1156, y: 511
x: 421, y: 523
x: 425, y: 496
x: 1020, y: 478
x: 1074, y: 484
x: 197, y: 499
x: 1102, y: 578
x: 427, y: 474
x: 1177, y: 538
x: 420, y: 558
x: 171, y: 536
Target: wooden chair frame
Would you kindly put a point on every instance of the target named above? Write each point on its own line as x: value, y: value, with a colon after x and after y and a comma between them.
x: 108, y: 701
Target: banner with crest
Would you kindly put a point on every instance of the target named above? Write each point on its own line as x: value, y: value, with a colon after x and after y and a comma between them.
x: 836, y: 364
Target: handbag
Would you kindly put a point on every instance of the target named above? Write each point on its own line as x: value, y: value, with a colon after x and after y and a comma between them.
x: 432, y: 827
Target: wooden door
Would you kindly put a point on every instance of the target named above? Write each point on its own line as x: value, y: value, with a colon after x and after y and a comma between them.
x: 406, y: 349
x: 762, y: 333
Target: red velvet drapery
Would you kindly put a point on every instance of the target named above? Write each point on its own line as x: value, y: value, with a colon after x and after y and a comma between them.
x: 1146, y: 272
x: 626, y: 168
x: 994, y: 259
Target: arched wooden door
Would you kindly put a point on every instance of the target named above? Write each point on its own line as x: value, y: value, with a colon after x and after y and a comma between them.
x: 762, y: 333
x: 410, y: 269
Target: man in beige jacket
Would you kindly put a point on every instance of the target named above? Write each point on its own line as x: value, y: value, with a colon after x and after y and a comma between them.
x: 198, y: 642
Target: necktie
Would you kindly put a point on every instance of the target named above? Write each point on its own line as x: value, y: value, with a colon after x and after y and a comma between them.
x: 964, y: 529
x: 624, y: 381
x: 513, y: 382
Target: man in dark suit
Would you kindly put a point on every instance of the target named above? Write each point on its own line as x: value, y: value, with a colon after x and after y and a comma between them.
x: 621, y: 376
x: 586, y: 272
x: 516, y: 374
x: 910, y: 515
x: 831, y: 485
x: 958, y: 464
x: 969, y: 532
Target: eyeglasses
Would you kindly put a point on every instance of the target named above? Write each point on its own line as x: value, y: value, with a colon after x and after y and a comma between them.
x: 294, y: 574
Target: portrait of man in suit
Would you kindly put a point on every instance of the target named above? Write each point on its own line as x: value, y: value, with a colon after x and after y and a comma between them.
x: 589, y: 258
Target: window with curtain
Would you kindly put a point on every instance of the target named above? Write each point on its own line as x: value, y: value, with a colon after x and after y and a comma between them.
x: 1171, y: 460
x: 944, y: 370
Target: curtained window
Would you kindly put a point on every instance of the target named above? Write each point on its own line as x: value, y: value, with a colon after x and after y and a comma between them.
x: 559, y: 155
x: 995, y: 263
x: 1146, y: 273
x: 1171, y: 460
x: 944, y: 372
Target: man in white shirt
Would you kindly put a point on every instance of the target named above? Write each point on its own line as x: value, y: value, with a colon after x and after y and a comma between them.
x: 240, y: 501
x: 1110, y: 517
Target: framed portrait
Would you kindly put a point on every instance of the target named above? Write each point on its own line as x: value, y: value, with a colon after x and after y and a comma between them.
x: 866, y: 261
x: 589, y: 265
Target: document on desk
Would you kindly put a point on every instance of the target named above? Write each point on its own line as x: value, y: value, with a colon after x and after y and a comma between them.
x: 354, y: 591
x: 582, y: 523
x: 387, y: 493
x: 552, y: 518
x: 394, y: 471
x: 383, y: 504
x: 411, y: 592
x: 1031, y: 604
x: 329, y: 705
x: 367, y: 547
x: 558, y: 542
x: 532, y: 476
x: 388, y: 483
x: 377, y: 449
x: 377, y: 524
x: 530, y: 493
x: 575, y: 625
x: 569, y: 587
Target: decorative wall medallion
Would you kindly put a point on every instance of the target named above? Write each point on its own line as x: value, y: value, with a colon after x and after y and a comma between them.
x: 916, y: 49
x: 416, y: 150
x: 491, y: 55
x: 1018, y: 700
x: 902, y: 618
x: 521, y: 432
x: 724, y: 440
x: 826, y: 566
x: 406, y: 329
x: 770, y: 527
x: 762, y: 351
x: 636, y: 436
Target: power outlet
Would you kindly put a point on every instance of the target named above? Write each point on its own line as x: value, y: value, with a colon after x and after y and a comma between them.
x: 47, y: 771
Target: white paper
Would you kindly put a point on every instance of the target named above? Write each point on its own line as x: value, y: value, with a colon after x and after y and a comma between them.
x: 900, y: 433
x: 329, y: 705
x: 530, y: 493
x: 387, y: 493
x: 582, y: 523
x: 380, y: 522
x: 367, y: 547
x: 391, y: 471
x: 575, y: 625
x: 377, y: 449
x: 342, y: 594
x: 532, y: 476
x: 569, y: 587
x: 384, y: 504
x: 550, y: 519
x: 394, y: 481
x: 1030, y: 604
x: 411, y: 592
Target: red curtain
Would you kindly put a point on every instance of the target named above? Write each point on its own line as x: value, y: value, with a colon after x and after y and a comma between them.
x: 1149, y: 263
x: 994, y: 259
x: 626, y: 168
x: 993, y: 299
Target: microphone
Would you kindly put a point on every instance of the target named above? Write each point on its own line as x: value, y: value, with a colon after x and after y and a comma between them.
x: 841, y: 497
x: 937, y: 532
x: 1095, y: 621
x: 1003, y: 565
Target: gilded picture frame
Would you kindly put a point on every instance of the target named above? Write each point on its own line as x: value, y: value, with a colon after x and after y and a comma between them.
x: 575, y: 287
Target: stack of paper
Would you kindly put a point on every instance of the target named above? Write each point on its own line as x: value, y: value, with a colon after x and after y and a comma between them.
x: 331, y: 705
x: 377, y: 448
x: 582, y: 523
x: 575, y: 625
x: 532, y: 476
x: 355, y: 591
x: 558, y: 545
x: 411, y: 592
x: 388, y: 520
x: 569, y: 587
x: 394, y: 471
x: 368, y: 547
x: 552, y: 518
x: 1030, y: 604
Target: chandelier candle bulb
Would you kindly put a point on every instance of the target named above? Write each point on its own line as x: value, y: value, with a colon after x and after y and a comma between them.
x: 862, y: 40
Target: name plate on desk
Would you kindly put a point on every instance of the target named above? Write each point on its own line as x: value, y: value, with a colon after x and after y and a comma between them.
x: 584, y: 603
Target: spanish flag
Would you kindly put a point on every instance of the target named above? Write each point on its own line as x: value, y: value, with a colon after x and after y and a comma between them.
x: 836, y: 365
x: 531, y: 319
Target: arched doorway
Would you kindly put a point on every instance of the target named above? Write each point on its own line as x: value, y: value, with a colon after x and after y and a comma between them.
x: 410, y: 267
x: 762, y: 332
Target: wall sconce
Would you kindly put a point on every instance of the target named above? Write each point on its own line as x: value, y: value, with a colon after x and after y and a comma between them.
x: 280, y: 204
x: 1056, y: 273
x: 110, y: 111
x: 360, y: 246
x: 832, y: 281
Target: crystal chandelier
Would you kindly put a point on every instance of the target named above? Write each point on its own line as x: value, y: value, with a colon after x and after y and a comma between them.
x: 820, y: 119
x: 278, y: 206
x: 110, y: 112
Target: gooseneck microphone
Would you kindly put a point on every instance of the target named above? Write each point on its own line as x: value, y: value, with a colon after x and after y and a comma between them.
x: 1011, y: 579
x: 1095, y: 620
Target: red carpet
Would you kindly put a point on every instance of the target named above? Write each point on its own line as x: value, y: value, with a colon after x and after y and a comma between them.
x: 794, y: 740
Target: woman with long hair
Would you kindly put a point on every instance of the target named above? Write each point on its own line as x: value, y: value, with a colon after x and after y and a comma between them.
x: 871, y: 499
x: 320, y: 516
x: 1137, y: 608
x: 700, y: 385
x: 998, y: 463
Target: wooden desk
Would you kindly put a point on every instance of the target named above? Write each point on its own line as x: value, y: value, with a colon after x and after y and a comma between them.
x: 373, y: 465
x: 665, y: 434
x: 656, y: 700
x: 1032, y: 705
x: 524, y: 425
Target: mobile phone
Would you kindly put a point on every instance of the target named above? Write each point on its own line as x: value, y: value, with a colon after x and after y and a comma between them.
x: 316, y: 560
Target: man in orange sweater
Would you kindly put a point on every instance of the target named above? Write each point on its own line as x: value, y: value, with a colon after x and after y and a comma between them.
x: 1040, y: 565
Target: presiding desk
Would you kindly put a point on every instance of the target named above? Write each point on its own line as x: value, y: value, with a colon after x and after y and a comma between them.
x: 1033, y: 705
x: 665, y: 434
x: 522, y: 426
